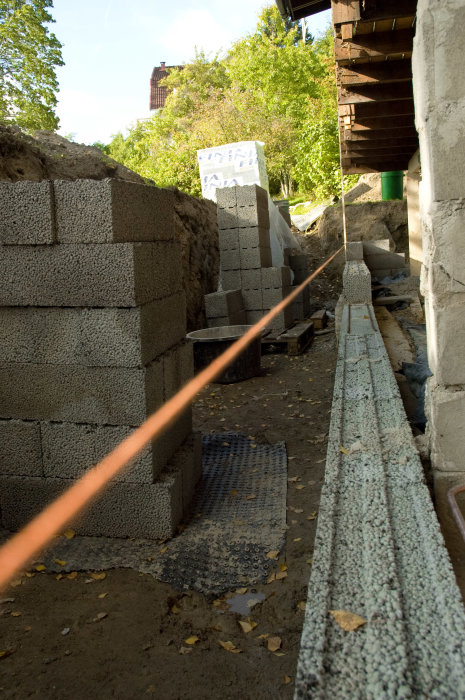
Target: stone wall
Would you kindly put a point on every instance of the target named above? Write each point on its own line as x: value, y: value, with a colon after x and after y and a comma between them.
x: 92, y: 341
x: 439, y: 93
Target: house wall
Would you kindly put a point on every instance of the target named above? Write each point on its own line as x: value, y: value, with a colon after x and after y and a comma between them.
x: 439, y: 93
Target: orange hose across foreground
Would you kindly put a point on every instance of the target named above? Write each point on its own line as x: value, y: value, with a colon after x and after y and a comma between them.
x: 20, y: 549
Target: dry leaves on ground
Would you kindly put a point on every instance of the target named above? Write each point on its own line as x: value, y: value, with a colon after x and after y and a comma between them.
x: 347, y: 620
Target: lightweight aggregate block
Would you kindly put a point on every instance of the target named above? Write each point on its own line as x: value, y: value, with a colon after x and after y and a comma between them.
x: 271, y: 297
x: 188, y: 462
x: 253, y: 216
x: 356, y: 280
x: 70, y: 449
x: 118, y: 274
x: 230, y: 279
x: 226, y: 197
x: 298, y: 262
x: 253, y: 258
x: 384, y: 260
x: 104, y: 395
x: 273, y: 277
x: 20, y: 448
x: 218, y: 322
x: 253, y: 237
x: 230, y: 260
x: 254, y: 316
x: 297, y: 309
x: 238, y: 318
x: 253, y: 300
x: 108, y: 337
x: 354, y: 250
x: 178, y: 368
x: 228, y: 239
x: 376, y: 247
x: 282, y: 321
x: 223, y: 303
x: 251, y: 279
x: 122, y: 510
x: 251, y: 195
x: 227, y: 218
x: 106, y: 211
x: 27, y: 213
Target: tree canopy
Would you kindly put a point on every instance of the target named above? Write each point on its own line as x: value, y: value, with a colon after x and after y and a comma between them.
x: 29, y: 54
x: 276, y: 85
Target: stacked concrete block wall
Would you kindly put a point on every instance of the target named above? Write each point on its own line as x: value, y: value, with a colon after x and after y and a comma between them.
x: 382, y: 262
x: 439, y: 88
x: 246, y: 260
x: 225, y: 308
x: 301, y: 306
x: 92, y: 341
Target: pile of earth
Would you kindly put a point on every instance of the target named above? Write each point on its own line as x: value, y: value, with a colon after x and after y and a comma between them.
x: 48, y: 156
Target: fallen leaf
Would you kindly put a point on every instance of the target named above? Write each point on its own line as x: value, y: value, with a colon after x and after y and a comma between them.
x: 250, y: 497
x: 297, y: 539
x: 271, y: 578
x: 5, y: 653
x: 60, y: 562
x: 280, y: 653
x: 225, y: 444
x: 163, y: 550
x: 344, y: 450
x: 274, y: 643
x: 16, y: 613
x: 293, y: 479
x: 247, y: 625
x: 229, y: 646
x: 287, y: 680
x: 30, y: 574
x: 40, y: 567
x: 175, y: 609
x: 69, y: 534
x: 27, y: 628
x: 273, y: 554
x: 310, y: 560
x: 347, y: 620
x: 241, y: 591
x: 100, y: 616
x: 283, y: 567
x: 185, y: 650
x: 312, y: 516
x: 59, y: 577
x: 253, y: 446
x: 298, y: 510
x: 98, y: 575
x: 192, y: 639
x: 3, y: 601
x: 301, y: 605
x: 72, y: 575
x: 300, y: 487
x: 102, y: 595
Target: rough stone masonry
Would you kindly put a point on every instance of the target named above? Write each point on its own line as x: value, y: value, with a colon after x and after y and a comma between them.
x: 92, y: 340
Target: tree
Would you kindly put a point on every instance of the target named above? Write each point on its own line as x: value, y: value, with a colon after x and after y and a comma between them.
x: 29, y: 54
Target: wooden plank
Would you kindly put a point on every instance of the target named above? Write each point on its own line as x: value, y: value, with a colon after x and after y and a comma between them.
x: 377, y: 72
x: 345, y: 11
x: 300, y: 9
x: 375, y: 10
x: 402, y: 132
x: 364, y: 46
x: 374, y: 144
x: 375, y: 153
x: 295, y: 339
x: 367, y: 110
x: 375, y: 93
x: 362, y: 125
x: 347, y: 31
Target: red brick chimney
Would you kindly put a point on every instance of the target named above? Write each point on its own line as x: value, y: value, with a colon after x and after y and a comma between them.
x: 162, y: 65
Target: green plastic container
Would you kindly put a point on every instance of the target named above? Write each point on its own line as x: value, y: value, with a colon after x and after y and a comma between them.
x: 392, y: 185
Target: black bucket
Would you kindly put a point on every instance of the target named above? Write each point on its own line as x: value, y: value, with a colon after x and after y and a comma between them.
x: 209, y: 343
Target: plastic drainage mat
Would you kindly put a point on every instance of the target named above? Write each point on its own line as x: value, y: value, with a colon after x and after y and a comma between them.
x: 238, y: 515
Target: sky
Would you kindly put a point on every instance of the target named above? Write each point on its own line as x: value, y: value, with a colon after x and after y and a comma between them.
x: 111, y: 47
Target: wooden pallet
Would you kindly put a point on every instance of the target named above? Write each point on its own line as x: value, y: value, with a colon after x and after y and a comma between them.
x: 294, y: 339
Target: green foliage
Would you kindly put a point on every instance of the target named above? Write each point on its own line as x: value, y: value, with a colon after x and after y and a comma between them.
x: 29, y: 54
x: 273, y: 86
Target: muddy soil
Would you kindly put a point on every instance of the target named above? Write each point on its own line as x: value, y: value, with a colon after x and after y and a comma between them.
x: 124, y: 635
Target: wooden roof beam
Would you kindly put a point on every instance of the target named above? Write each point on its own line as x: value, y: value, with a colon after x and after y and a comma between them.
x: 381, y: 72
x: 368, y: 146
x: 367, y: 110
x: 365, y: 46
x: 406, y: 132
x: 375, y: 93
x: 389, y: 10
x: 364, y: 125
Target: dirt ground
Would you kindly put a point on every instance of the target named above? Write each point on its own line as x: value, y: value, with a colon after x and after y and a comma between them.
x: 124, y: 635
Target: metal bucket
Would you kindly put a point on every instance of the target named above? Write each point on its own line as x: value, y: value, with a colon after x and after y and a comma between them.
x: 209, y: 343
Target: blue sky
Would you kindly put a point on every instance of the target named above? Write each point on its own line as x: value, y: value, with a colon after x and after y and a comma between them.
x: 111, y: 47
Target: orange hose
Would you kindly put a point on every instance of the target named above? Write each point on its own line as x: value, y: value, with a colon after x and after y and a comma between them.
x: 21, y: 547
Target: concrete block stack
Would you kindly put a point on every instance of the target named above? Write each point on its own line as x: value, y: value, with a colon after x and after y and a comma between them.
x: 381, y: 262
x: 92, y: 340
x: 225, y: 309
x: 301, y: 305
x: 245, y: 254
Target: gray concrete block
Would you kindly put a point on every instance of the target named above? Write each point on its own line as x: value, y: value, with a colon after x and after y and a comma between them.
x: 231, y: 279
x: 253, y: 258
x: 20, y: 448
x: 218, y: 322
x: 297, y: 309
x: 254, y: 316
x: 122, y: 510
x: 27, y: 213
x: 188, y: 462
x: 356, y: 280
x: 252, y: 279
x: 281, y: 321
x: 253, y: 300
x: 178, y: 368
x: 238, y: 318
x: 251, y: 195
x: 118, y: 274
x: 226, y: 197
x: 230, y: 260
x: 273, y: 277
x: 108, y: 337
x: 298, y: 262
x: 227, y: 218
x: 105, y: 211
x: 376, y: 247
x: 223, y: 303
x: 384, y: 260
x: 228, y: 239
x: 253, y: 216
x: 105, y: 395
x: 271, y: 297
x: 253, y: 237
x: 354, y: 250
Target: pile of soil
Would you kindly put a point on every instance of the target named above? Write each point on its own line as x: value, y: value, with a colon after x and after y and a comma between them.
x: 48, y: 156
